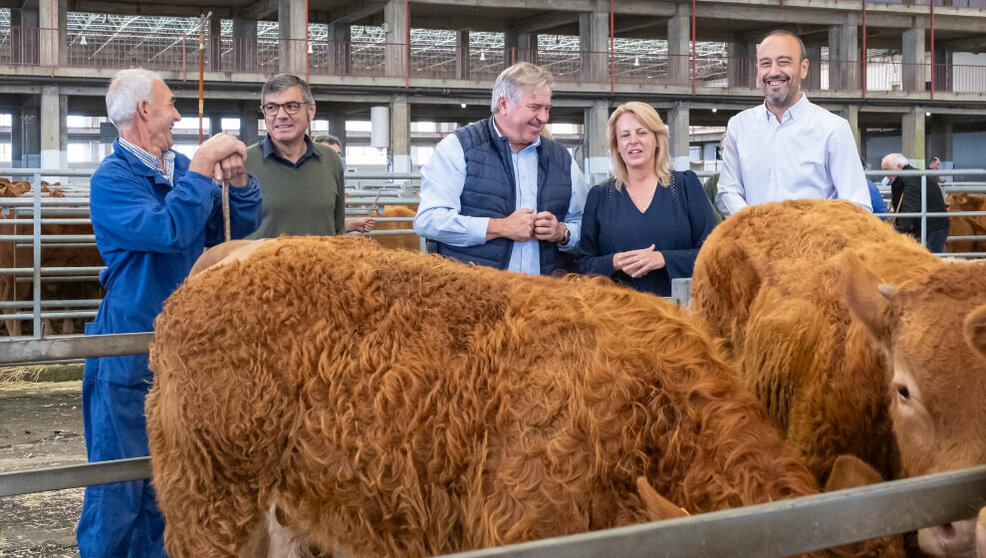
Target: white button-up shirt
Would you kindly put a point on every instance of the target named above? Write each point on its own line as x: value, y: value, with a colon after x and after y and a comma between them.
x: 811, y: 153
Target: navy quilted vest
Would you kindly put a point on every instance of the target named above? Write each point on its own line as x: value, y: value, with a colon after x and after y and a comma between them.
x: 489, y: 191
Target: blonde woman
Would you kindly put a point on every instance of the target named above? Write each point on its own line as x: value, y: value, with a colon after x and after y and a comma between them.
x: 644, y: 226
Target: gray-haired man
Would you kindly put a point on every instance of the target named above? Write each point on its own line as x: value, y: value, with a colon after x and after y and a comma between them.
x: 496, y: 192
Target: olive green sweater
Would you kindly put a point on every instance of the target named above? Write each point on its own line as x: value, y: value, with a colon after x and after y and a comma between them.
x: 308, y: 200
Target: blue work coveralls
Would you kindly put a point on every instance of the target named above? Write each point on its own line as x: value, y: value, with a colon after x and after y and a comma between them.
x: 149, y: 234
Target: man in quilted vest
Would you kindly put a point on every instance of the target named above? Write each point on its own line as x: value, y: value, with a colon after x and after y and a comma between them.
x: 496, y: 192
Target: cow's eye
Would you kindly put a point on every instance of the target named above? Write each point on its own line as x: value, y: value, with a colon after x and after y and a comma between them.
x: 904, y: 392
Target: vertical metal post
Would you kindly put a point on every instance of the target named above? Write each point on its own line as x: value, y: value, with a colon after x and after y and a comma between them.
x: 308, y: 45
x: 863, y: 57
x: 693, y: 47
x: 924, y: 209
x: 36, y: 246
x: 407, y: 45
x: 612, y: 54
x: 202, y: 23
x: 931, y: 3
x: 681, y: 291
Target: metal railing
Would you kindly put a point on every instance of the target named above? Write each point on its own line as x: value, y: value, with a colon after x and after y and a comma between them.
x: 924, y: 214
x: 265, y: 55
x: 41, y: 271
x: 774, y: 529
x: 32, y: 226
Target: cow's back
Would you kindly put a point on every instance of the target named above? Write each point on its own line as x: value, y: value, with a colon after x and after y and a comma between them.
x: 400, y: 403
x: 771, y: 281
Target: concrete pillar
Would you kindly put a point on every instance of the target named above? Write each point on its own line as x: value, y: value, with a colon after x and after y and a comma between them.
x: 24, y: 36
x: 244, y: 45
x: 742, y: 63
x: 293, y: 23
x: 53, y: 21
x: 597, y: 141
x: 337, y: 127
x: 944, y: 75
x: 678, y: 132
x: 913, y: 69
x: 939, y: 138
x: 462, y: 54
x: 249, y: 117
x: 31, y: 131
x: 340, y: 35
x: 679, y: 45
x: 593, y: 42
x: 814, y: 80
x: 912, y: 136
x: 16, y: 138
x: 215, y: 44
x: 400, y: 134
x: 395, y: 20
x: 519, y: 47
x: 54, y: 131
x: 215, y: 124
x: 843, y: 57
x: 851, y: 113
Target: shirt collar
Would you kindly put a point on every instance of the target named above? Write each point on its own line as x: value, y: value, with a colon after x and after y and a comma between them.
x: 269, y: 149
x: 796, y: 110
x: 152, y: 162
x: 496, y: 129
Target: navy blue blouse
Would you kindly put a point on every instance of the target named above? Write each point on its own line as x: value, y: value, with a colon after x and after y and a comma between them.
x: 676, y: 223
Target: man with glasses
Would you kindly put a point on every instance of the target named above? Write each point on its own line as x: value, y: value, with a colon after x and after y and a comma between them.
x: 302, y: 182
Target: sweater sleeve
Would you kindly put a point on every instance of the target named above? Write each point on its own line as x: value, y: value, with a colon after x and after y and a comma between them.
x: 700, y: 221
x: 592, y: 260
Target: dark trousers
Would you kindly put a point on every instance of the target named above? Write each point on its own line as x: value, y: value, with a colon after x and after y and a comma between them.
x: 935, y: 241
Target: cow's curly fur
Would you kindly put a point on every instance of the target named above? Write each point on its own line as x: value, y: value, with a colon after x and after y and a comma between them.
x: 398, y: 404
x: 771, y: 281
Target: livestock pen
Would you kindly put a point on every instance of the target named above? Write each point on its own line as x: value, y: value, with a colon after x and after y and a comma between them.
x: 49, y: 267
x: 774, y: 529
x: 779, y: 528
x: 69, y: 290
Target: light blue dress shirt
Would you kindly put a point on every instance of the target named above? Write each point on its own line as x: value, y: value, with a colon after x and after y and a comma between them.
x: 442, y: 180
x: 811, y: 153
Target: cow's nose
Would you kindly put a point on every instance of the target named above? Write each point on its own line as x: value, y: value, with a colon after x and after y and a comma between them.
x: 952, y: 539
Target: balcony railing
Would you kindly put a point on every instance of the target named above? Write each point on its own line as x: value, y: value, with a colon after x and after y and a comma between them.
x: 180, y: 53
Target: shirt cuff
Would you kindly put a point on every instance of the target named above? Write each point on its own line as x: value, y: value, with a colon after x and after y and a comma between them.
x: 476, y: 228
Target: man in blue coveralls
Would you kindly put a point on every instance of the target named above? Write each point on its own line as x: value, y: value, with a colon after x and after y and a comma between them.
x: 153, y: 212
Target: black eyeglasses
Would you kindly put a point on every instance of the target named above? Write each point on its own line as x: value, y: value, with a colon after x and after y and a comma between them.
x: 291, y: 108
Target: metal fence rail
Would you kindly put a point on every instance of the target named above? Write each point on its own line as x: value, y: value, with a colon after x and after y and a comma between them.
x: 367, y: 191
x: 27, y: 220
x: 779, y: 528
x: 774, y: 529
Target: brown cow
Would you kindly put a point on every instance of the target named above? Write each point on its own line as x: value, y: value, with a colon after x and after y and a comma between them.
x: 772, y: 281
x: 933, y: 331
x: 57, y: 256
x: 408, y: 241
x: 967, y: 225
x: 378, y: 402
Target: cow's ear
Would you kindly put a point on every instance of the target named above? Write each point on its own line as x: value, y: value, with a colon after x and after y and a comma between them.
x: 849, y: 471
x: 975, y: 330
x: 657, y: 507
x: 869, y: 300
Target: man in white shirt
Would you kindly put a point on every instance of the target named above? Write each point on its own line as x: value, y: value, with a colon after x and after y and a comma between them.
x: 787, y: 148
